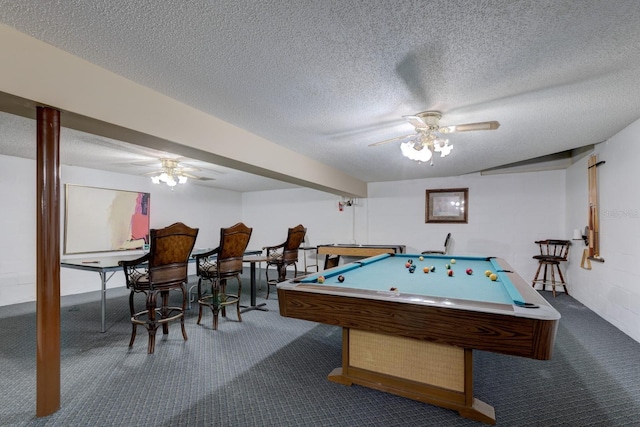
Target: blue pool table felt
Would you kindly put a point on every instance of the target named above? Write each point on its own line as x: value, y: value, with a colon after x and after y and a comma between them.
x: 383, y: 272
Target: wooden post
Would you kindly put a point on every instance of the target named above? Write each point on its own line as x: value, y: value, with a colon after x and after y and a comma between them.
x: 48, y: 262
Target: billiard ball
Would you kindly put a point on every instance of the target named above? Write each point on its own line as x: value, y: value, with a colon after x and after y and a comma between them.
x: 447, y: 266
x: 432, y: 269
x: 408, y: 264
x: 341, y: 278
x: 426, y: 269
x: 410, y: 261
x: 320, y: 279
x: 421, y: 258
x: 487, y: 273
x: 453, y: 261
x: 493, y: 277
x: 393, y: 289
x: 450, y: 273
x: 469, y: 271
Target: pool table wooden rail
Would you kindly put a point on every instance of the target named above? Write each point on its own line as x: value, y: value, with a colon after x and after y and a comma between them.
x: 506, y: 334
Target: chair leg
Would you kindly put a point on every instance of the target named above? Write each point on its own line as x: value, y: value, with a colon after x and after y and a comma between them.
x: 152, y: 326
x: 553, y: 281
x: 535, y: 278
x: 134, y: 326
x: 564, y: 284
x: 239, y: 295
x: 215, y: 304
x: 164, y: 312
x: 199, y: 303
x: 269, y: 282
x: 184, y: 307
x: 223, y: 288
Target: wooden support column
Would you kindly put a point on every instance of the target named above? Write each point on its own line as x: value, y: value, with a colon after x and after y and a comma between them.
x: 48, y: 262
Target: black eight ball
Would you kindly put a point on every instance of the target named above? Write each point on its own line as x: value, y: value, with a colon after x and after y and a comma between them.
x: 341, y: 278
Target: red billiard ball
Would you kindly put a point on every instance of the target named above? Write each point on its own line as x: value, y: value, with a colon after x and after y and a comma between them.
x: 408, y: 264
x: 341, y: 278
x: 450, y: 272
x: 469, y: 271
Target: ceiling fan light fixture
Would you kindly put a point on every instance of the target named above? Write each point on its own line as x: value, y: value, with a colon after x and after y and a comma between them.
x: 171, y: 174
x: 419, y: 155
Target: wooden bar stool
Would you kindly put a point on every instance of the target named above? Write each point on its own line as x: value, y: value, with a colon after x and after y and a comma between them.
x: 552, y: 253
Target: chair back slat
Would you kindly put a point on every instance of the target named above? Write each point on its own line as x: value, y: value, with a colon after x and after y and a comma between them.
x: 169, y: 251
x: 233, y: 243
x: 295, y: 237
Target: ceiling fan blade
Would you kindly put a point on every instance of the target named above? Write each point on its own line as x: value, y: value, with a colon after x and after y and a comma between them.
x: 470, y: 127
x: 188, y: 175
x: 387, y: 141
x: 416, y: 122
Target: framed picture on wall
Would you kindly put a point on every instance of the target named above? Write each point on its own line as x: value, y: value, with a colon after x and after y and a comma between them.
x: 105, y: 220
x: 447, y: 205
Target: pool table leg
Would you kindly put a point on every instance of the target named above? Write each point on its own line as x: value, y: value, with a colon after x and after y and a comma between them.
x: 439, y: 374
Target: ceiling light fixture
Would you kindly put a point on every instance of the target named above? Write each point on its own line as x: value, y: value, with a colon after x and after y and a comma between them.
x: 170, y: 175
x: 422, y: 147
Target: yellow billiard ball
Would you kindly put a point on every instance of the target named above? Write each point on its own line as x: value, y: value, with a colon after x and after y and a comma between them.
x: 487, y: 273
x: 493, y: 277
x: 321, y: 279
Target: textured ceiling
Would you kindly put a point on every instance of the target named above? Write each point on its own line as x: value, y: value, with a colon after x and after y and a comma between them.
x: 328, y: 78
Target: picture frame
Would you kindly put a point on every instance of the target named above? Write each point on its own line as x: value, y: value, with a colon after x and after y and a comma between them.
x: 105, y: 220
x: 446, y: 206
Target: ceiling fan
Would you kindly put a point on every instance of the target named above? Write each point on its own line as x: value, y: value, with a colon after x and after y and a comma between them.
x: 428, y: 139
x: 172, y: 172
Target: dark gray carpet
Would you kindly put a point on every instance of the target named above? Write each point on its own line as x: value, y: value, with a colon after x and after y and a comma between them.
x: 272, y: 371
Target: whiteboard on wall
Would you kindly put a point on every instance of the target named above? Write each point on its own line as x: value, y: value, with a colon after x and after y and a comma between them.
x: 105, y: 220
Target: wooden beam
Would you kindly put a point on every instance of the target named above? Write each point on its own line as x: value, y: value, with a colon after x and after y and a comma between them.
x: 48, y: 262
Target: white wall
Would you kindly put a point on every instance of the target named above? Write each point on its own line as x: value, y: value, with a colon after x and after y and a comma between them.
x: 197, y: 206
x: 612, y: 288
x: 506, y: 214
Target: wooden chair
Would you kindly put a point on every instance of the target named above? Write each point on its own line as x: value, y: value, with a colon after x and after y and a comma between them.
x: 447, y: 244
x: 227, y: 264
x: 552, y: 253
x: 283, y: 255
x: 162, y: 269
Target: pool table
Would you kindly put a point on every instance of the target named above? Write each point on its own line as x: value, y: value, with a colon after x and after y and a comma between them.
x: 413, y: 333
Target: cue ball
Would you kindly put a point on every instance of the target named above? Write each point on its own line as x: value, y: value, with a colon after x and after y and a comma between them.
x: 493, y: 277
x: 450, y: 273
x: 341, y: 278
x: 487, y: 273
x: 421, y: 258
x: 453, y: 261
x: 321, y: 279
x: 469, y: 271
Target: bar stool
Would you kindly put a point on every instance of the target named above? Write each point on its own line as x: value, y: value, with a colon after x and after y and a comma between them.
x: 552, y: 253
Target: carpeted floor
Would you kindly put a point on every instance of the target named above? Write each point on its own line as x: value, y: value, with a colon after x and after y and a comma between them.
x: 272, y: 371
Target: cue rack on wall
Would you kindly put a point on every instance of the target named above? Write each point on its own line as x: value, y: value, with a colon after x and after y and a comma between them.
x: 592, y: 231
